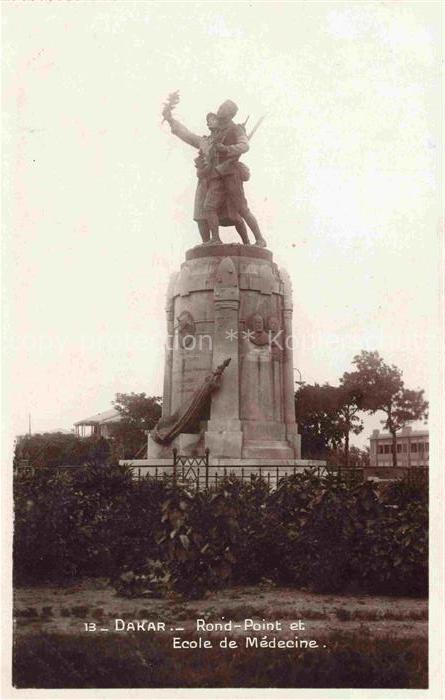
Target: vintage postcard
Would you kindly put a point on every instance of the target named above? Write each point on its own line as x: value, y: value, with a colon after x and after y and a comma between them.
x: 222, y: 348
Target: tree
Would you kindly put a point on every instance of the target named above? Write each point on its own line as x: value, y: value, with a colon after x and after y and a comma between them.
x: 60, y: 449
x: 139, y: 413
x: 348, y: 420
x: 326, y: 415
x: 317, y: 413
x: 380, y: 387
x: 356, y: 457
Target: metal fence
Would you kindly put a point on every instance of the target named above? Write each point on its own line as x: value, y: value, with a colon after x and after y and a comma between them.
x: 210, y: 476
x: 198, y: 474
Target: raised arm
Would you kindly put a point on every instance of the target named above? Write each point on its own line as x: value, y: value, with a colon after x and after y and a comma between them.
x: 184, y: 134
x: 180, y: 130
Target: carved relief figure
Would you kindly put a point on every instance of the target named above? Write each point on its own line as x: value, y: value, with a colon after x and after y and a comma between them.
x: 186, y: 329
x: 257, y: 333
x: 275, y: 337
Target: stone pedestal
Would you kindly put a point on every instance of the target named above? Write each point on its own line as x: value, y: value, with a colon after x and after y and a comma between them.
x: 232, y: 301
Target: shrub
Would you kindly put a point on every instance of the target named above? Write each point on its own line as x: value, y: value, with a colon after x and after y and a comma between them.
x: 197, y: 536
x: 395, y: 561
x: 61, y: 449
x: 87, y: 522
x: 45, y: 518
x: 153, y: 537
x: 412, y: 488
x: 289, y: 507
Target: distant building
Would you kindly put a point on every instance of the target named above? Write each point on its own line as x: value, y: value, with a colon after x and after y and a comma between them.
x: 412, y: 448
x: 99, y: 425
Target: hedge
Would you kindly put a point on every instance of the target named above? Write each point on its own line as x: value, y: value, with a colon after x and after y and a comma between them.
x: 153, y: 537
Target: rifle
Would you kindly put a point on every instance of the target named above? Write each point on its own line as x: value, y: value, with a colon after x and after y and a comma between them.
x: 259, y: 122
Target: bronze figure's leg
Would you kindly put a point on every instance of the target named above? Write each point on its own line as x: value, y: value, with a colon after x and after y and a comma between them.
x: 253, y: 225
x: 242, y: 230
x: 204, y: 230
x: 213, y: 201
x: 237, y: 199
x: 213, y: 223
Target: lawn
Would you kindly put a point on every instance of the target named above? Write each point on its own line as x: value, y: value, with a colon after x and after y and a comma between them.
x: 361, y: 641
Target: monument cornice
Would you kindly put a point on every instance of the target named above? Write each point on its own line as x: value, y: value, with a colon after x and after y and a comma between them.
x: 228, y: 249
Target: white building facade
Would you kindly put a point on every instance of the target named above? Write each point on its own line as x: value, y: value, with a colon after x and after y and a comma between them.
x: 412, y: 448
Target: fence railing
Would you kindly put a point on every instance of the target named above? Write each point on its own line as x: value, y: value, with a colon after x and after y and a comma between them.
x: 198, y: 474
x: 205, y: 476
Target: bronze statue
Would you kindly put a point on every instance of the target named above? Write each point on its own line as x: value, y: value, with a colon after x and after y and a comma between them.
x: 220, y: 198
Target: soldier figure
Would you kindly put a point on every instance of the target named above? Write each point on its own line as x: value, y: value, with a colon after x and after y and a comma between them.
x: 220, y: 198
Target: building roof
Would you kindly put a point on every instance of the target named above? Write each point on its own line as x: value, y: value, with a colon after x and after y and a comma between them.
x: 111, y: 416
x: 400, y: 434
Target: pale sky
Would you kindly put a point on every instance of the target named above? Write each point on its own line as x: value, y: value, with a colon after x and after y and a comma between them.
x: 98, y: 195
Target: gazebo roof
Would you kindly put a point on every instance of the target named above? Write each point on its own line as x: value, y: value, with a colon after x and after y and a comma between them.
x: 111, y: 416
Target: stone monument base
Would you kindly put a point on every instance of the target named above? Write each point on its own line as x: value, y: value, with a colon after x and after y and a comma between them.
x: 229, y: 305
x: 236, y: 440
x: 165, y: 462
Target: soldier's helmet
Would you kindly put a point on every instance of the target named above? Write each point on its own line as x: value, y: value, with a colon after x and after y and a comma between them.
x: 212, y: 120
x: 227, y: 110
